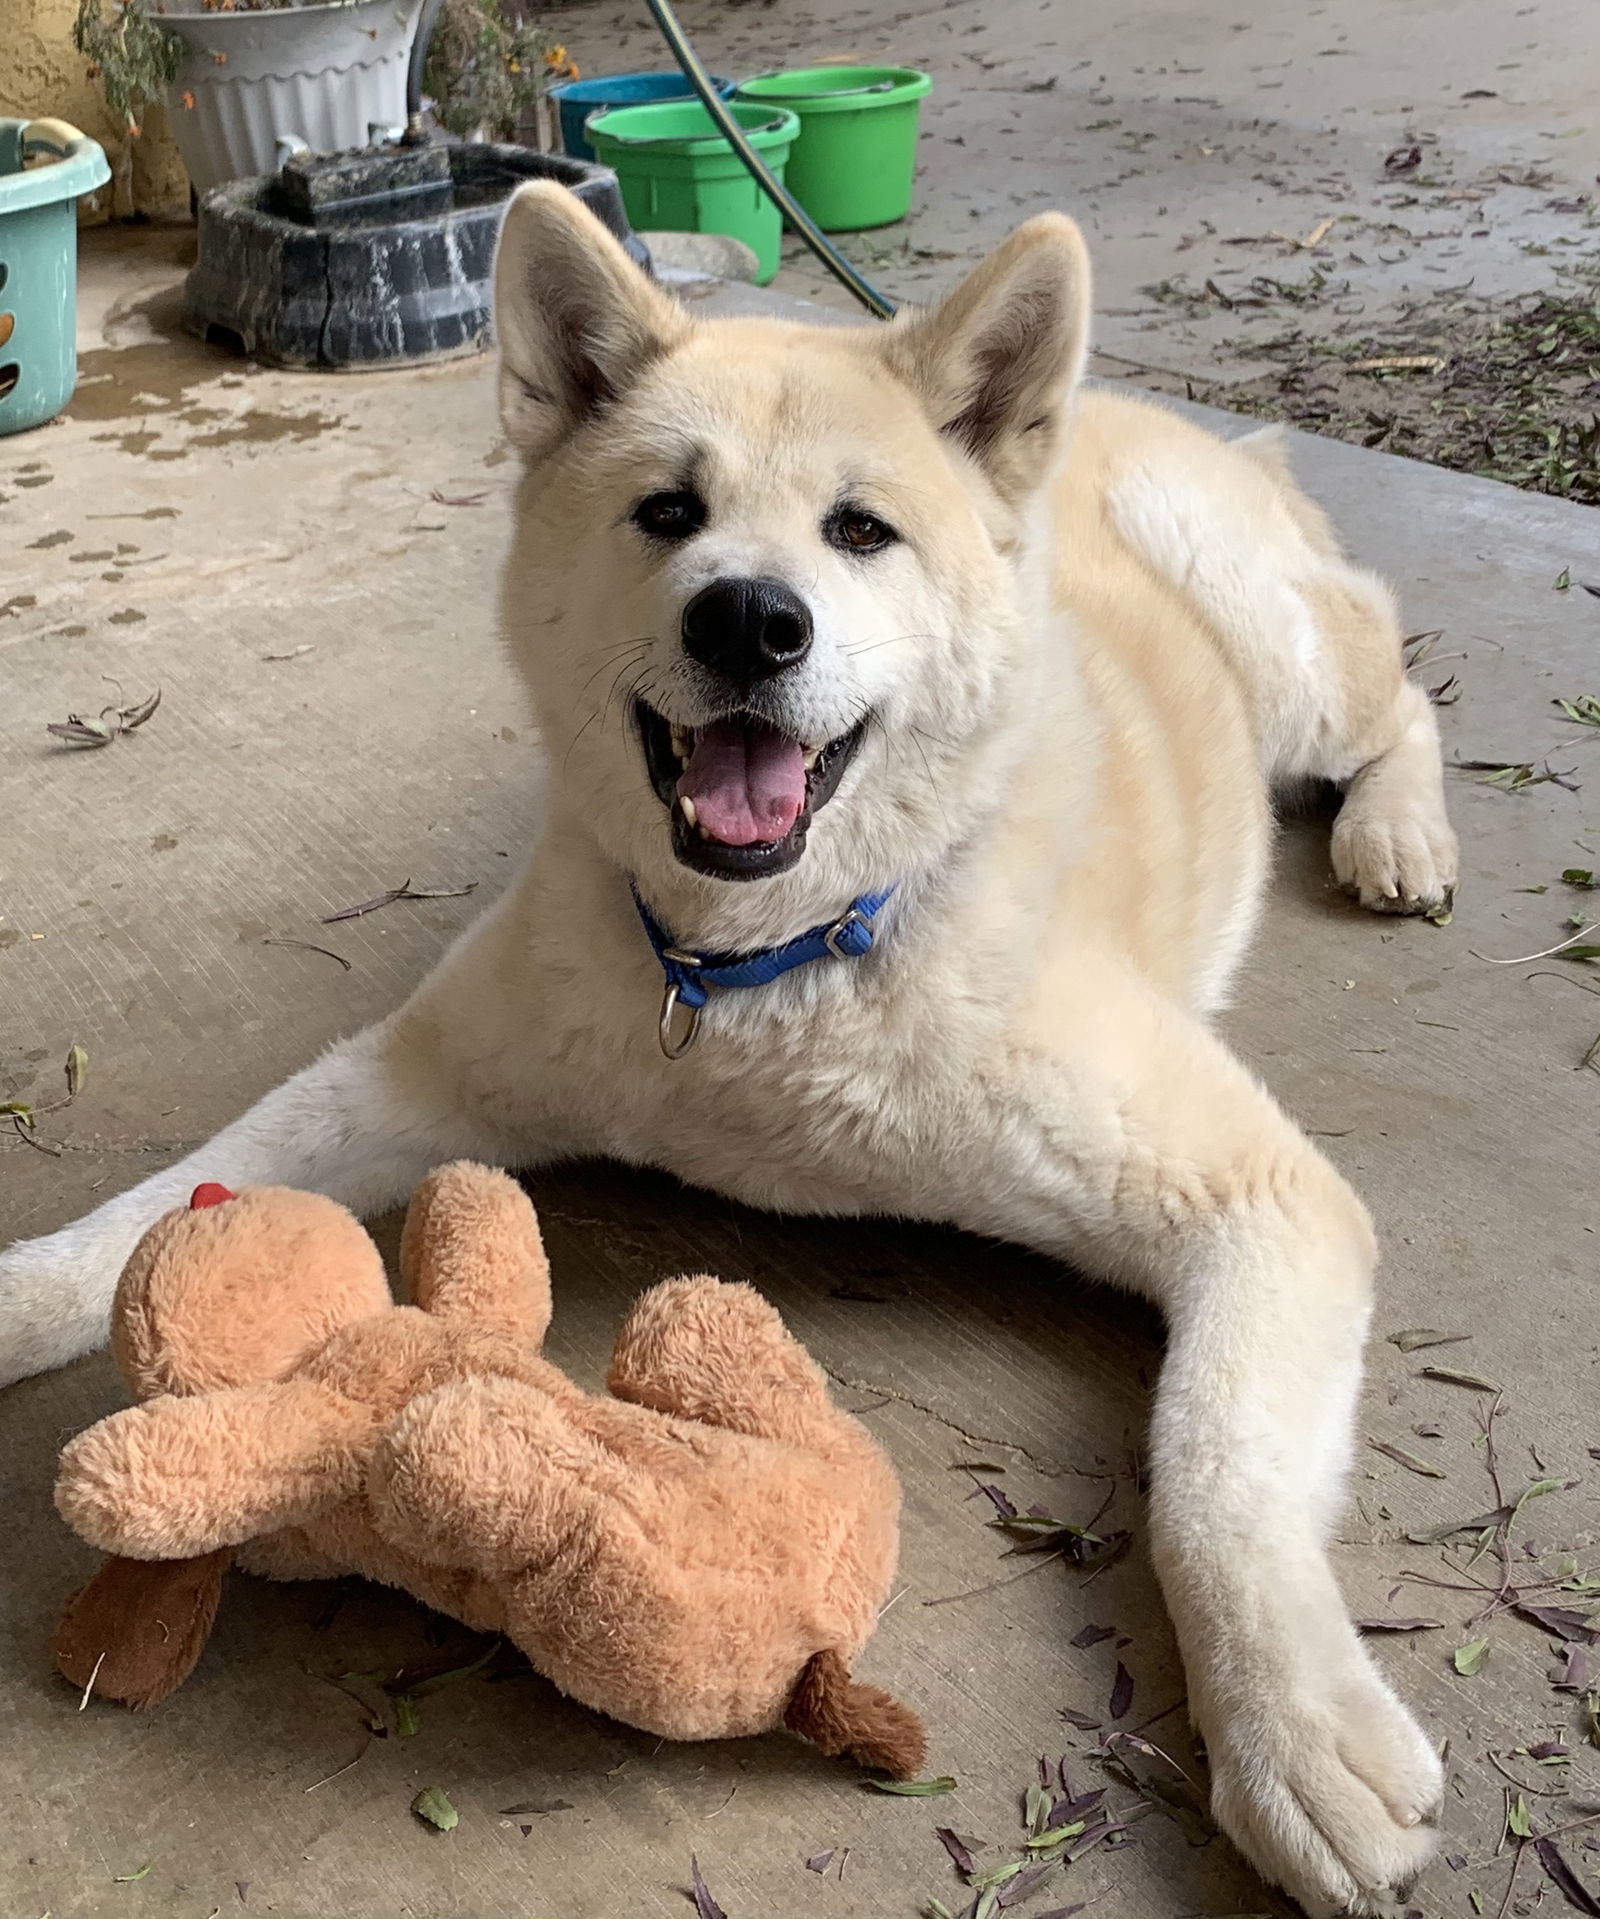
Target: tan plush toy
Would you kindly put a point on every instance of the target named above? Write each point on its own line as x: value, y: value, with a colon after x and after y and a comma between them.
x: 701, y: 1552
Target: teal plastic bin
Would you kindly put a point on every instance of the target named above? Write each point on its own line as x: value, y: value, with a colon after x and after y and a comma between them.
x: 39, y: 265
x: 577, y: 101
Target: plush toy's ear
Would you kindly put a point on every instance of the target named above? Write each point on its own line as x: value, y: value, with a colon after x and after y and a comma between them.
x: 471, y: 1252
x: 575, y: 320
x: 177, y: 1478
x: 134, y: 1632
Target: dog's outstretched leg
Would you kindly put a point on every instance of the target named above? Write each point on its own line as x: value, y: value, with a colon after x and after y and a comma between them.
x: 362, y: 1124
x: 1151, y: 1156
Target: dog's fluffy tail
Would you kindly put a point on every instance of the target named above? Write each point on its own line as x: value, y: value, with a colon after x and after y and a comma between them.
x: 834, y: 1712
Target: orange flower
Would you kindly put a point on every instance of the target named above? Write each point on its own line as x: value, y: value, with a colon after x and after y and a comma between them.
x: 188, y: 99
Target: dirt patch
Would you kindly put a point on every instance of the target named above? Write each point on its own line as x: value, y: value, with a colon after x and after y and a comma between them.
x: 1507, y: 390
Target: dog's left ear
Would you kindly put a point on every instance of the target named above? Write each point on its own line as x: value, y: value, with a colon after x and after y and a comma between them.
x: 997, y: 361
x: 576, y: 321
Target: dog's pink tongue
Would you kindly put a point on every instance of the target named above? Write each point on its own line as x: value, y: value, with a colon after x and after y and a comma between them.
x: 746, y: 781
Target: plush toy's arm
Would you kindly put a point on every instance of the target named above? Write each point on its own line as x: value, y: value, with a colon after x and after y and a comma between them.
x: 720, y: 1354
x: 471, y: 1251
x: 179, y: 1477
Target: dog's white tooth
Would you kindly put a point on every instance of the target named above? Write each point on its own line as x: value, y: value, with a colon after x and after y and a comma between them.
x: 688, y: 807
x: 680, y: 743
x: 813, y: 754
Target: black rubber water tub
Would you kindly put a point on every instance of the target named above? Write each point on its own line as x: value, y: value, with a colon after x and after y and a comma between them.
x: 378, y: 258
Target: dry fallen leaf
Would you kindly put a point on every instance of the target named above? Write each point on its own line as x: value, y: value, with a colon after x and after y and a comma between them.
x: 433, y: 1805
x: 112, y: 721
x: 955, y: 1845
x: 405, y: 891
x: 1469, y: 1658
x: 1573, y: 1890
x: 704, y: 1904
x: 1410, y: 1461
x: 1085, y: 1722
x: 1411, y: 1339
x: 1454, y: 1378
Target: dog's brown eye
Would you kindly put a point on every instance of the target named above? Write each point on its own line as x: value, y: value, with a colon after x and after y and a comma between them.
x: 670, y: 516
x: 859, y: 532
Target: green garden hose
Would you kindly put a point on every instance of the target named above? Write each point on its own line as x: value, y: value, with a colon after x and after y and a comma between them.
x: 876, y: 303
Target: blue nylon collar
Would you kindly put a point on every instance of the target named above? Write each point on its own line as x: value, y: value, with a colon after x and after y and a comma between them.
x: 689, y: 974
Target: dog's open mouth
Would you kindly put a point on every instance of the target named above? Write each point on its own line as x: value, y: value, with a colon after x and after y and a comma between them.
x: 741, y: 791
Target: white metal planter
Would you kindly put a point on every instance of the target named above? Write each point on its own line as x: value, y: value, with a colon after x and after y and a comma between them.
x: 327, y: 74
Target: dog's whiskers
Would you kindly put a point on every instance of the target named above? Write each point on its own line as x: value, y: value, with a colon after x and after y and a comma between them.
x: 578, y: 736
x: 933, y: 784
x: 892, y: 639
x: 636, y: 647
x: 639, y: 674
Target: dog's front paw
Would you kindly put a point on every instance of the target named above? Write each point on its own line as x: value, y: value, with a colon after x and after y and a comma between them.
x: 1402, y: 863
x: 1334, y: 1796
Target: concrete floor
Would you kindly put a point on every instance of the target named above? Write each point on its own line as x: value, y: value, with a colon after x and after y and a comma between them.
x: 193, y: 518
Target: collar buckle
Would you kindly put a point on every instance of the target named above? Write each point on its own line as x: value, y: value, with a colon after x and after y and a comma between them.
x: 851, y: 926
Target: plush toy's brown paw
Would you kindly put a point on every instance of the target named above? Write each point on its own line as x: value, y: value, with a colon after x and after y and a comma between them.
x: 135, y: 1631
x: 838, y: 1714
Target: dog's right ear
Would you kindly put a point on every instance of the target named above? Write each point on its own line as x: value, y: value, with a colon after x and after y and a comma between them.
x: 576, y: 320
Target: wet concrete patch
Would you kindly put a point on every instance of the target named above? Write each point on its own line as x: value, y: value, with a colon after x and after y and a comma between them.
x: 260, y: 428
x: 119, y: 382
x: 257, y: 427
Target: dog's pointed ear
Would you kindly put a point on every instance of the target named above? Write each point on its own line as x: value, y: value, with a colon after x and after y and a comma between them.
x: 996, y: 362
x: 575, y: 319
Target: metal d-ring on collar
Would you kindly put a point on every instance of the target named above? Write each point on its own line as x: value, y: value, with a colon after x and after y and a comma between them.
x: 689, y: 975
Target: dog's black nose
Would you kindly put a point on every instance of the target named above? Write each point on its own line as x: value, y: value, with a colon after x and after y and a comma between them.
x: 747, y: 629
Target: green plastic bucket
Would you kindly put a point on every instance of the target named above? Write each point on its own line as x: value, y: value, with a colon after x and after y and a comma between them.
x: 852, y: 164
x: 680, y: 175
x: 39, y: 265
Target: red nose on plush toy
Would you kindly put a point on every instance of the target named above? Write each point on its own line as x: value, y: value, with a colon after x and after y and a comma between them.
x: 210, y: 1194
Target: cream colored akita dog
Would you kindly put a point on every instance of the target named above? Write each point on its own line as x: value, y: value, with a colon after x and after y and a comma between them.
x: 812, y: 614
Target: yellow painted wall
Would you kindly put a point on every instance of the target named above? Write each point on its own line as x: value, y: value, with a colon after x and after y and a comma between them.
x: 42, y: 72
